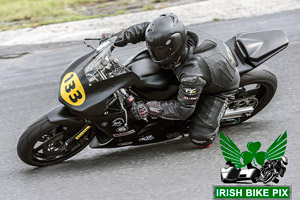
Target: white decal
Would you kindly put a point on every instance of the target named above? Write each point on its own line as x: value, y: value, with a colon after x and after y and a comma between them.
x: 124, y: 134
x: 147, y: 138
x: 118, y: 122
x: 125, y: 143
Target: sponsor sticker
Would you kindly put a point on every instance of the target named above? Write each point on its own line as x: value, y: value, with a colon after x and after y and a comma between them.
x: 125, y: 143
x: 146, y: 138
x: 190, y: 98
x: 189, y: 79
x: 82, y: 132
x: 104, y: 124
x: 190, y: 90
x: 121, y: 129
x: 154, y: 109
x: 118, y: 122
x: 124, y: 134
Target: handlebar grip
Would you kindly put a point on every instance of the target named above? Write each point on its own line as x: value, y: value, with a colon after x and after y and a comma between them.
x: 134, y: 104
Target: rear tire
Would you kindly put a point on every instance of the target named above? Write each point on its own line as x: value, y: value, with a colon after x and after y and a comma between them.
x: 37, y: 132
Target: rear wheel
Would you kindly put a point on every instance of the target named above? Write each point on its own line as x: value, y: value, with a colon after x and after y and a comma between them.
x: 44, y: 143
x: 257, y: 88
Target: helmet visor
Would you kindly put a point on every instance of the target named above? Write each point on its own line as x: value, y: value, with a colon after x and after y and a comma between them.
x: 161, y: 52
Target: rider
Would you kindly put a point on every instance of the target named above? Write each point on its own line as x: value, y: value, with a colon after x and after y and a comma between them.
x: 204, y: 66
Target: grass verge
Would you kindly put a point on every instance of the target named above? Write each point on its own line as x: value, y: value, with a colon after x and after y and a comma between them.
x: 16, y: 14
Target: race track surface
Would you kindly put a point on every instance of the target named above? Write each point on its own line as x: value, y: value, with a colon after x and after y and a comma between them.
x: 170, y: 170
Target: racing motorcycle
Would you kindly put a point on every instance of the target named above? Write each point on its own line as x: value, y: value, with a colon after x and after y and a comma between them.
x: 97, y: 91
x: 272, y: 169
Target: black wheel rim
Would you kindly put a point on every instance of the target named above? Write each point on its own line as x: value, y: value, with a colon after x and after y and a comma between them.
x: 51, y: 145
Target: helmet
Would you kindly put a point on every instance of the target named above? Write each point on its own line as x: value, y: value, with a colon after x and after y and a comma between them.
x: 284, y: 160
x: 166, y: 39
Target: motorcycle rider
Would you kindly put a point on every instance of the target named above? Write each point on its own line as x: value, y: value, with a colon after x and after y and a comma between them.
x: 277, y: 165
x: 204, y: 66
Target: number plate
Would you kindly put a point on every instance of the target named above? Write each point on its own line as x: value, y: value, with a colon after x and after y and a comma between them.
x: 71, y: 89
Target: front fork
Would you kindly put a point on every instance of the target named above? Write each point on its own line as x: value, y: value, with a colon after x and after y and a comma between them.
x: 85, y: 129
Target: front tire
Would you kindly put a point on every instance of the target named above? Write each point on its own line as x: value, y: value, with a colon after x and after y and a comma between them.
x: 41, y: 143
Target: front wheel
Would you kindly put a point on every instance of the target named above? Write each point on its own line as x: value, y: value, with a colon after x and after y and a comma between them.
x: 44, y: 143
x: 268, y: 176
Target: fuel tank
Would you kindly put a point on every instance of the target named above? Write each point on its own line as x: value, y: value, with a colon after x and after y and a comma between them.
x: 155, y: 83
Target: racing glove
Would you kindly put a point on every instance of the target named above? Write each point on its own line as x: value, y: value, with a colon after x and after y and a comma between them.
x: 140, y: 110
x: 109, y: 35
x: 155, y: 109
x: 133, y: 34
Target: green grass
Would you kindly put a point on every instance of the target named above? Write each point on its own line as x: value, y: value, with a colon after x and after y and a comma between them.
x: 148, y: 7
x: 216, y: 19
x: 16, y: 14
x: 158, y: 1
x: 29, y: 13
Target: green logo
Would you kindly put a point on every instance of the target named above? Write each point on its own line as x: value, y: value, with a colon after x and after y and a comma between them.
x: 240, y: 159
x: 251, y: 192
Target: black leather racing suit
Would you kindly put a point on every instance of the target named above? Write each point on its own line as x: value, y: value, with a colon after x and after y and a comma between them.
x: 207, y: 68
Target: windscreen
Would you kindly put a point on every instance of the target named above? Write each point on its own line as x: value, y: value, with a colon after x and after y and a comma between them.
x: 103, y: 65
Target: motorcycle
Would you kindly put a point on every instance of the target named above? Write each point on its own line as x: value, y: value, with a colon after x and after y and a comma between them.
x: 97, y: 91
x: 272, y: 170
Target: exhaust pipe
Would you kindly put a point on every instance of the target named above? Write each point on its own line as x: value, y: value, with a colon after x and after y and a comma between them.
x: 239, y: 112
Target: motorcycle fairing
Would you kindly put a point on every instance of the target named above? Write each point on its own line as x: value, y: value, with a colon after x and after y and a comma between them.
x: 95, y: 93
x: 61, y: 115
x: 158, y: 130
x: 155, y: 83
x: 257, y: 47
x: 241, y: 65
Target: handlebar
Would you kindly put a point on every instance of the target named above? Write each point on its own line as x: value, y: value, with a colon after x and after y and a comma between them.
x: 100, y: 41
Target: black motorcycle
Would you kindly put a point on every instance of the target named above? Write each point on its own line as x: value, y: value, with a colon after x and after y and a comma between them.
x: 272, y: 170
x: 97, y: 91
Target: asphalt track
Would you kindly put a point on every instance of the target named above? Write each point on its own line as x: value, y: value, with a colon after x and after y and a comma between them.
x: 169, y: 170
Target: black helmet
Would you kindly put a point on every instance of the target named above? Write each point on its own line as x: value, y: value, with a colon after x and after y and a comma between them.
x: 166, y: 39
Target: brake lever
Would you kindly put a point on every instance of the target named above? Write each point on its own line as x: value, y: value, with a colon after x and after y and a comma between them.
x: 89, y: 46
x: 121, y: 100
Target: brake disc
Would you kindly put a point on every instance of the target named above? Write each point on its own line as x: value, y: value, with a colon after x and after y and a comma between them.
x: 53, y: 146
